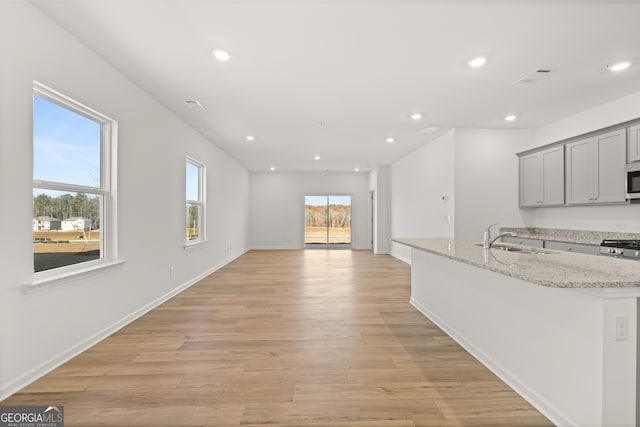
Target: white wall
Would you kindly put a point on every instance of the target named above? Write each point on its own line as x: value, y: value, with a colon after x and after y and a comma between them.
x: 380, y: 185
x: 486, y: 180
x: 623, y: 218
x: 42, y: 329
x: 277, y: 206
x: 476, y: 170
x: 418, y: 182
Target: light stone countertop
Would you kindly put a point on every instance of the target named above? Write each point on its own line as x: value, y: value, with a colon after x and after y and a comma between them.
x: 555, y: 269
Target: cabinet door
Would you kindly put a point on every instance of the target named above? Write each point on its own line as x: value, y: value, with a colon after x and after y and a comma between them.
x: 525, y: 241
x: 530, y: 191
x: 610, y: 152
x: 581, y: 171
x: 572, y: 247
x: 633, y: 144
x: 552, y: 162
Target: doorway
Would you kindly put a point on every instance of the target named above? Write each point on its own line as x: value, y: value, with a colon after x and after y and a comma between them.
x: 327, y: 221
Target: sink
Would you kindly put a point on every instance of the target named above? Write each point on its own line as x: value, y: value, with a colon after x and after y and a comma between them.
x: 519, y: 249
x: 510, y: 248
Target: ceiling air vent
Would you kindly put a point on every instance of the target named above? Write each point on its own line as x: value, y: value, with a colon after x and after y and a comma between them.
x: 537, y: 75
x: 194, y: 104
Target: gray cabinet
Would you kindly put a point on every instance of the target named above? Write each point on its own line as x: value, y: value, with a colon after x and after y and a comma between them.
x: 542, y: 178
x: 530, y: 174
x: 572, y: 247
x: 595, y: 169
x: 553, y: 245
x: 525, y: 241
x: 633, y: 144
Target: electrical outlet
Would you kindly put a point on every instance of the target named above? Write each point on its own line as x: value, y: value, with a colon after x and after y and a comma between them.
x: 620, y: 226
x: 622, y: 328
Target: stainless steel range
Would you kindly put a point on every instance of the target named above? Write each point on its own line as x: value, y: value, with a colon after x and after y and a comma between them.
x: 621, y: 248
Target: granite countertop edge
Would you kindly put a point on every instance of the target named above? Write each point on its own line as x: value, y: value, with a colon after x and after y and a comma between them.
x: 569, y: 271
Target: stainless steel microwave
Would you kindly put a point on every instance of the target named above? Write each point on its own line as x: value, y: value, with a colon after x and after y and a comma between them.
x: 633, y: 180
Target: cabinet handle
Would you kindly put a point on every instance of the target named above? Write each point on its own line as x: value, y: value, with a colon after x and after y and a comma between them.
x: 569, y: 248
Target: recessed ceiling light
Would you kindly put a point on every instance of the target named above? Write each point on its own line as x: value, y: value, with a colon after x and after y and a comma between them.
x: 357, y: 169
x: 250, y: 138
x: 416, y: 116
x: 272, y: 168
x: 477, y: 62
x: 510, y: 118
x: 221, y: 55
x: 316, y: 158
x: 391, y: 140
x: 618, y: 66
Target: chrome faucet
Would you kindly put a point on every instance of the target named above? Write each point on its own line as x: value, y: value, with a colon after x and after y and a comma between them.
x: 487, y: 241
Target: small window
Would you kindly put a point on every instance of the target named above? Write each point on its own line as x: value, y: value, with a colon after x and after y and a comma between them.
x: 72, y: 184
x: 195, y: 173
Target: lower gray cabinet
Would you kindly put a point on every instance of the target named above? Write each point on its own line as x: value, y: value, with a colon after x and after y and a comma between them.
x: 534, y: 243
x: 580, y: 248
x: 572, y: 247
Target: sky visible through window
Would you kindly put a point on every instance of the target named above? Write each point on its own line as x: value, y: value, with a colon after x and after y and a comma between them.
x: 66, y: 145
x: 322, y: 200
x: 193, y: 182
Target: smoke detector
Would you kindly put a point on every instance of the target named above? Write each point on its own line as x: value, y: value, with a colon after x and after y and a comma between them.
x: 537, y: 75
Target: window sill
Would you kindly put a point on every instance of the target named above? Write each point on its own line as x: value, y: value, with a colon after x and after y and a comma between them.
x: 53, y: 279
x: 194, y: 244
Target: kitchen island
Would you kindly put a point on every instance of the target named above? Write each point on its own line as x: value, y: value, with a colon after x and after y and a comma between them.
x: 559, y: 328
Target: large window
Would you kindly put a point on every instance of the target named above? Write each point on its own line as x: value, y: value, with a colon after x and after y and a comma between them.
x: 72, y: 185
x: 195, y: 179
x: 327, y: 221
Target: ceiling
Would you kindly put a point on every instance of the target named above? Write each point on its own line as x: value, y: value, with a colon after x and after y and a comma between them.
x: 336, y: 78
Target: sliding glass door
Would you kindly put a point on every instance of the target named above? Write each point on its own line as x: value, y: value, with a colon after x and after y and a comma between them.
x: 327, y: 221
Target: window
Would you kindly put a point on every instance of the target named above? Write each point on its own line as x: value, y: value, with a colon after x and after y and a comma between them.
x: 195, y: 179
x: 327, y: 221
x: 73, y: 191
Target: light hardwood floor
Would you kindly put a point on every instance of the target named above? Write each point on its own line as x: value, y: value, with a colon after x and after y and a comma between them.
x: 284, y: 338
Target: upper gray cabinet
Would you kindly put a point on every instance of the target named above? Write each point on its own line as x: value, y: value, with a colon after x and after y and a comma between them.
x: 633, y: 144
x: 595, y: 169
x: 542, y: 178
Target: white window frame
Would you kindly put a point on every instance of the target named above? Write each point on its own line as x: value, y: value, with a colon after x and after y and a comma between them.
x: 201, y: 203
x: 107, y: 189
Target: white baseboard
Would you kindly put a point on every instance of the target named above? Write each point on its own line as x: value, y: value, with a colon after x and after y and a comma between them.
x: 84, y: 345
x: 287, y: 248
x: 275, y: 248
x: 401, y: 258
x: 537, y: 401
